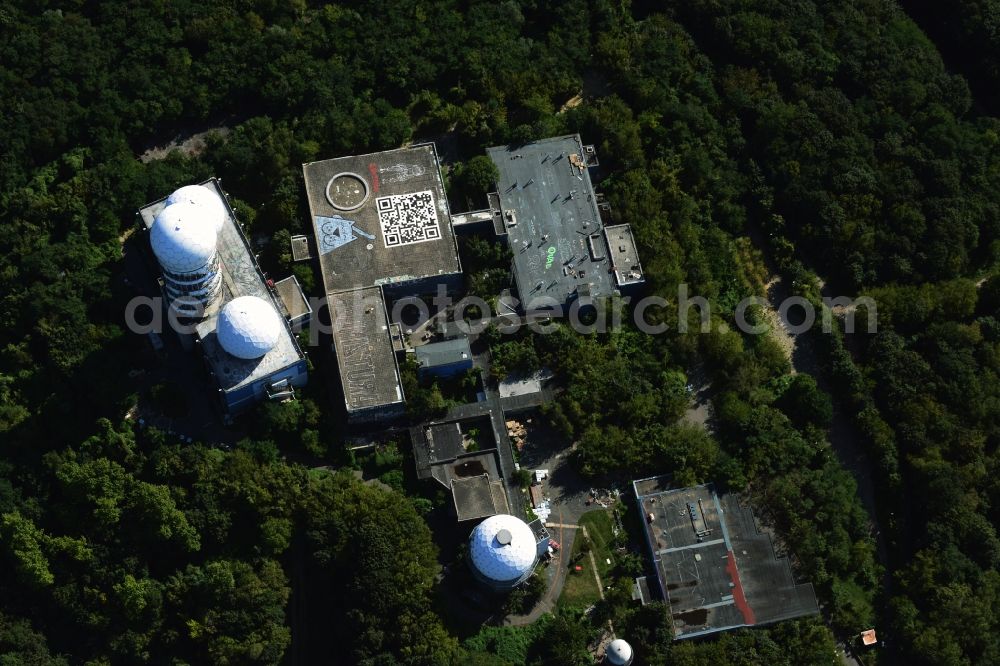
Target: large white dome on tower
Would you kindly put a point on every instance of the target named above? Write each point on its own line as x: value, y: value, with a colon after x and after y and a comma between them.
x: 248, y: 327
x: 183, y: 239
x: 199, y: 195
x: 619, y: 653
x: 503, y: 549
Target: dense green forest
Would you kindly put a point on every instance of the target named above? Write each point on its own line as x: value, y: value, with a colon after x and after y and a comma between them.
x: 829, y: 135
x: 968, y: 34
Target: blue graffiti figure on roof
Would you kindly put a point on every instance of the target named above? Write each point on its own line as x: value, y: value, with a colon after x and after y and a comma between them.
x: 337, y: 231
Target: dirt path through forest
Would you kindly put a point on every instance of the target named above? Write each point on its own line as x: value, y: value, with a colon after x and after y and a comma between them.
x: 844, y: 437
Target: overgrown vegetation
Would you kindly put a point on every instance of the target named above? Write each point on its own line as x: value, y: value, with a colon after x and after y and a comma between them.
x: 581, y: 587
x: 831, y: 130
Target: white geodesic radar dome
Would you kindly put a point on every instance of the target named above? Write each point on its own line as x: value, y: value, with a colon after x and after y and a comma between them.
x: 503, y: 548
x: 183, y: 239
x: 619, y: 653
x: 248, y: 327
x: 199, y: 195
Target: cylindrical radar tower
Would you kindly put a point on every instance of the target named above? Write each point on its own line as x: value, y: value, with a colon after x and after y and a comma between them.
x: 502, y: 552
x: 184, y: 240
x: 248, y: 327
x: 205, y: 197
x: 619, y: 653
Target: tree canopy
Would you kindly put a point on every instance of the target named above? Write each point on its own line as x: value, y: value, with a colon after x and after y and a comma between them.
x: 830, y: 136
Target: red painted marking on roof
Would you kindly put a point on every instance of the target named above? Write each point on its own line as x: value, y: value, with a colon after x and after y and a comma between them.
x: 373, y: 170
x: 738, y: 596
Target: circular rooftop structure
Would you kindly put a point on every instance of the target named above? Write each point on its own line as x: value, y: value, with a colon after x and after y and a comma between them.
x: 619, y: 653
x: 183, y: 238
x: 248, y: 327
x: 503, y: 550
x: 199, y: 195
x: 347, y: 191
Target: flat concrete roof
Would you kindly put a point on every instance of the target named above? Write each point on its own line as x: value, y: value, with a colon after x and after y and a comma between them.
x: 300, y: 248
x: 640, y: 590
x: 439, y: 450
x: 381, y: 218
x: 445, y: 352
x: 552, y: 221
x: 716, y: 570
x: 241, y: 276
x: 369, y: 373
x: 444, y: 441
x: 624, y: 255
x: 478, y: 497
x: 467, y: 465
x: 293, y: 300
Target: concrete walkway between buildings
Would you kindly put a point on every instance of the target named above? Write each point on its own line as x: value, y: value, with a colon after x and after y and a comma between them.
x: 548, y: 602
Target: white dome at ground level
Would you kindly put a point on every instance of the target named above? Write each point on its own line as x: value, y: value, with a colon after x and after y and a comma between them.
x: 206, y: 198
x: 619, y: 653
x: 503, y: 548
x: 182, y: 239
x: 248, y: 327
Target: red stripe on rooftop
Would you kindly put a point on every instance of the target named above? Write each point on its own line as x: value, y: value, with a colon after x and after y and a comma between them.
x: 738, y: 596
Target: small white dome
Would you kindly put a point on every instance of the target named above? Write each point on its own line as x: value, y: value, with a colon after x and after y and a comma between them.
x: 200, y: 195
x: 182, y: 239
x: 618, y: 653
x: 503, y: 548
x: 248, y: 327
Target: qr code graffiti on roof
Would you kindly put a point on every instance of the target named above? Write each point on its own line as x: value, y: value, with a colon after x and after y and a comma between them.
x: 408, y: 218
